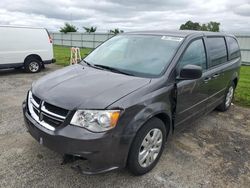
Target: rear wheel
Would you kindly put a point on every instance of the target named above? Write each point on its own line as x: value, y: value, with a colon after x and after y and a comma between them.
x: 32, y: 65
x: 225, y: 105
x: 147, y: 147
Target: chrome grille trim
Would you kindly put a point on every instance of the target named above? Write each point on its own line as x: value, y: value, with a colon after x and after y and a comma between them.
x: 36, y: 118
x: 52, y: 117
x: 32, y: 104
x: 43, y: 108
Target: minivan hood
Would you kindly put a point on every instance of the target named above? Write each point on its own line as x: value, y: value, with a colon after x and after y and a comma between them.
x: 83, y: 87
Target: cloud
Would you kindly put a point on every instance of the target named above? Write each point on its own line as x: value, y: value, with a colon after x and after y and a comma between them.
x: 243, y: 10
x: 125, y: 14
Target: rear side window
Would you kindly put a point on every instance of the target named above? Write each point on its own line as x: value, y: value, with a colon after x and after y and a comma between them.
x: 217, y: 50
x: 194, y: 55
x: 233, y: 48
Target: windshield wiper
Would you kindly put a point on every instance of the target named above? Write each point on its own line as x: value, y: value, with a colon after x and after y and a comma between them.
x: 91, y: 65
x: 112, y: 69
x: 86, y: 62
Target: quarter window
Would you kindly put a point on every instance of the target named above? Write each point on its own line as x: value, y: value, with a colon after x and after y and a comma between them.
x: 194, y: 55
x: 233, y: 48
x: 217, y: 50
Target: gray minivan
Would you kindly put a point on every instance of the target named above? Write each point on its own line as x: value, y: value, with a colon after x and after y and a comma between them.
x: 118, y: 107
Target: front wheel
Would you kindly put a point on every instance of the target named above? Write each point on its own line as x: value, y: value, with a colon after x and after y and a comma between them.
x: 147, y: 147
x: 225, y: 105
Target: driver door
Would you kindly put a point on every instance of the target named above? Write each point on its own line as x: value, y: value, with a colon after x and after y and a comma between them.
x: 192, y: 95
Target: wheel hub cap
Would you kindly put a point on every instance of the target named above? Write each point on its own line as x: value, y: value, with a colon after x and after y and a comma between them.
x: 229, y: 96
x: 33, y: 66
x: 150, y: 147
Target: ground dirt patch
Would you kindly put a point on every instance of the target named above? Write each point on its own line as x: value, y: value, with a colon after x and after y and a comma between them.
x: 214, y: 151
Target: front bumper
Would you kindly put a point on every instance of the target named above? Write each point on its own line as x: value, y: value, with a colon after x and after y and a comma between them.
x: 104, y: 151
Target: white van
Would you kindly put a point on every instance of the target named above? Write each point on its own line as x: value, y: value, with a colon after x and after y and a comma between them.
x: 26, y: 47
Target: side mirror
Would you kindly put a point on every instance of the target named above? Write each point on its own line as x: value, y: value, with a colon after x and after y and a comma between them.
x: 190, y: 72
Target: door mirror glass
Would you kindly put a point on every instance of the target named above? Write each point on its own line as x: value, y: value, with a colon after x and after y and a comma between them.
x: 190, y: 72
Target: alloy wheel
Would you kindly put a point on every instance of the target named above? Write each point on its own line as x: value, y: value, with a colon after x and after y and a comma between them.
x: 34, y: 66
x: 150, y: 147
x: 229, y: 96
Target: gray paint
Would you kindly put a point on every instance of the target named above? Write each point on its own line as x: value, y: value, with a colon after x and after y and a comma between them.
x: 140, y: 99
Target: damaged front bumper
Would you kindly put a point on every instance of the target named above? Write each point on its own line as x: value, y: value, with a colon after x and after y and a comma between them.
x: 104, y: 151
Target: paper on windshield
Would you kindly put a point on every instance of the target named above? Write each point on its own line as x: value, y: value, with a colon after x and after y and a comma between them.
x: 177, y: 39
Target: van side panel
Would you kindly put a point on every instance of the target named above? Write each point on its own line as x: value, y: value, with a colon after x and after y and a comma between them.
x: 221, y: 77
x: 17, y: 43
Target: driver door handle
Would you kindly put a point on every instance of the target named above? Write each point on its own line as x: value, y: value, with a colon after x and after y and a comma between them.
x: 206, y: 80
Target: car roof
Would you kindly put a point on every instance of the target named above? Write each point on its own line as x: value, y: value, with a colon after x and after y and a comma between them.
x: 19, y: 26
x: 179, y: 33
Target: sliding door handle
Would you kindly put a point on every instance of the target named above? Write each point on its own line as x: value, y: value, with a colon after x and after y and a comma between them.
x: 216, y: 75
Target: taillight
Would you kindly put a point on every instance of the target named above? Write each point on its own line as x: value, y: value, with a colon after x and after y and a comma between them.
x: 50, y: 39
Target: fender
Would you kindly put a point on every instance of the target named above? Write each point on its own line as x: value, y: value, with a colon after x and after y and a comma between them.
x: 147, y: 113
x: 235, y: 66
x: 143, y: 115
x: 157, y: 103
x: 235, y: 76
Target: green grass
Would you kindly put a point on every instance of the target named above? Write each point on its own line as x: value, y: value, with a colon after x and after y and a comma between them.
x: 62, y: 54
x: 242, y: 94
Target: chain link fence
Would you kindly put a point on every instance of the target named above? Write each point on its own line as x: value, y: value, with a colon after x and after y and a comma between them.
x: 244, y: 42
x: 86, y: 40
x: 82, y: 40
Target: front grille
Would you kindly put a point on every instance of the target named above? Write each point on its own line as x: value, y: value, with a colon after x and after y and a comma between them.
x: 46, y: 114
x: 36, y: 99
x: 36, y: 111
x: 55, y: 109
x: 51, y: 121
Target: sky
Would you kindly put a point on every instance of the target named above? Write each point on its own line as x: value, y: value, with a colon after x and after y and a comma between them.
x: 128, y: 15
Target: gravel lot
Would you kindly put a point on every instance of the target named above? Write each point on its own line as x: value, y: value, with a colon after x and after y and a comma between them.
x: 212, y: 152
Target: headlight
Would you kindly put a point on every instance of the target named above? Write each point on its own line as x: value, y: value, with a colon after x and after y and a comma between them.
x: 96, y: 120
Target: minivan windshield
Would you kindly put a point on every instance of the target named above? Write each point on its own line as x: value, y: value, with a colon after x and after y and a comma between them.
x: 138, y: 55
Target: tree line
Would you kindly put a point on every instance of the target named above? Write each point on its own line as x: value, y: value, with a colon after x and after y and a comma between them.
x: 71, y: 28
x: 189, y: 25
x: 211, y: 26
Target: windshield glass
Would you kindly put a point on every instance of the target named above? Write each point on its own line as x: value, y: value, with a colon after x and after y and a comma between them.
x: 140, y: 55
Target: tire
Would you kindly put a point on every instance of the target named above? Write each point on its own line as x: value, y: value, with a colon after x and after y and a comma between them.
x: 32, y: 65
x: 229, y: 95
x: 137, y: 149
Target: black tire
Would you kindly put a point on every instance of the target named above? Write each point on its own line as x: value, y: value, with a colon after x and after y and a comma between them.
x: 224, y: 106
x: 32, y: 65
x: 133, y: 158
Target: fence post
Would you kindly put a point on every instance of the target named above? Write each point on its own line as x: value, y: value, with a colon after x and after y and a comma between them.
x: 82, y: 40
x: 71, y: 39
x: 93, y: 40
x: 62, y: 39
